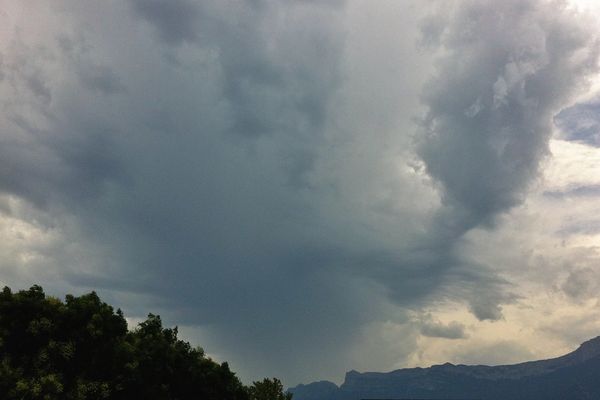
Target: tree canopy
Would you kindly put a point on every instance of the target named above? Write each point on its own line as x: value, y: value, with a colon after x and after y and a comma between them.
x: 268, y: 389
x: 82, y: 349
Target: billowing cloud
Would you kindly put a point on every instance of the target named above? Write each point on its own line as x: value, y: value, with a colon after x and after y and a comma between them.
x: 175, y: 21
x: 253, y: 170
x: 506, y: 70
x: 451, y: 330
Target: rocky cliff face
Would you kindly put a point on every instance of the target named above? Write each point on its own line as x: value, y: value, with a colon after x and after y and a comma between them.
x: 573, y: 376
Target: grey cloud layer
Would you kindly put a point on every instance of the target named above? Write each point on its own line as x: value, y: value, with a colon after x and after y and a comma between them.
x: 209, y: 157
x: 505, y: 70
x: 581, y: 122
x: 452, y: 330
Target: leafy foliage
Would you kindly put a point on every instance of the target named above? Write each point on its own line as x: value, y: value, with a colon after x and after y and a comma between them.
x: 268, y: 389
x: 81, y: 349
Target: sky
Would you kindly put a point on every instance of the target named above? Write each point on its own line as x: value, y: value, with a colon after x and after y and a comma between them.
x: 309, y: 187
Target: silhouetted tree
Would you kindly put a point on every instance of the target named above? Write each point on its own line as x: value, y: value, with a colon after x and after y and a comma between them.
x: 268, y: 389
x: 81, y: 349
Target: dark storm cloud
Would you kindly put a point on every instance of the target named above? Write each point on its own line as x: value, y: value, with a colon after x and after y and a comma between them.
x: 452, y: 330
x: 580, y: 122
x: 176, y: 21
x: 507, y: 68
x: 187, y: 182
x: 102, y: 79
x: 64, y: 165
x: 275, y: 81
x: 194, y: 153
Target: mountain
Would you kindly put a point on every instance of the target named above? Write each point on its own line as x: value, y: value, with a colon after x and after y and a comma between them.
x: 574, y: 376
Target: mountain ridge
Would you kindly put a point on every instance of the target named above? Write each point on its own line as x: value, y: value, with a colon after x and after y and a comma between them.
x: 576, y: 373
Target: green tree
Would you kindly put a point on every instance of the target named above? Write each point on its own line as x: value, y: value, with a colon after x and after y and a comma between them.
x: 268, y: 389
x: 50, y: 349
x: 164, y: 367
x: 81, y: 349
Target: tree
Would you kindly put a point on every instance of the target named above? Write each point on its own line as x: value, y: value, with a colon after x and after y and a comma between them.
x: 81, y: 349
x: 50, y: 349
x: 268, y: 389
x: 164, y: 367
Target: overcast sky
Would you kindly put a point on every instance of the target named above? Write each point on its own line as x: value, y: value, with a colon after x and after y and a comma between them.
x: 309, y: 187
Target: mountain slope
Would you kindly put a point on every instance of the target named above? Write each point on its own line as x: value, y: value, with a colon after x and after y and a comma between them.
x: 573, y: 376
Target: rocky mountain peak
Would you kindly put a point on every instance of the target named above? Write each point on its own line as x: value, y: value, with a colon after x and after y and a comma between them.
x: 575, y: 376
x: 590, y: 346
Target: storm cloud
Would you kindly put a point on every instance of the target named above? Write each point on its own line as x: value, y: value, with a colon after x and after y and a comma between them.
x: 245, y: 170
x: 506, y: 71
x: 452, y: 330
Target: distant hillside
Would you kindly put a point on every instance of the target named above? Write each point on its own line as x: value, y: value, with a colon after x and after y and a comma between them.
x: 574, y: 376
